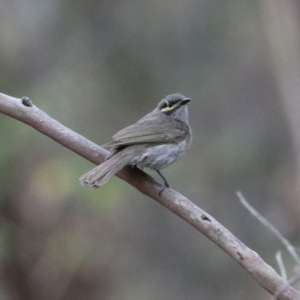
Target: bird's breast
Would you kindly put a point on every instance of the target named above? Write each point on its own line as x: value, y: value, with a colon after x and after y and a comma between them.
x: 160, y: 156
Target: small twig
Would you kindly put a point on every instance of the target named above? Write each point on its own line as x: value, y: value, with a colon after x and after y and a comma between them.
x: 290, y: 248
x: 281, y: 265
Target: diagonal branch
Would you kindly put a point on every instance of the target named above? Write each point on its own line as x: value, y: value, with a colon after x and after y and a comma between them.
x: 290, y: 248
x: 24, y: 111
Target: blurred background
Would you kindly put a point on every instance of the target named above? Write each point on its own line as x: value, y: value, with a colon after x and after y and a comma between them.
x: 98, y: 66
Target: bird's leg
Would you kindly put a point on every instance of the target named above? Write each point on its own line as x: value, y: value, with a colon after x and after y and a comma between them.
x: 166, y: 183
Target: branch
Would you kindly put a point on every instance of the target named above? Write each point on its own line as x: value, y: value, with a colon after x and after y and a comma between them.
x: 289, y: 282
x: 24, y: 111
x: 281, y: 265
x: 290, y: 248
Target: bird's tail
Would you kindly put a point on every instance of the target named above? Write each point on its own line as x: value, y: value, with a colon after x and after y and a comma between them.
x: 102, y: 173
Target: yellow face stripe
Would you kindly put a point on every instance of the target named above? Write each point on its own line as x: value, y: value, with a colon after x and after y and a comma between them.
x: 169, y: 108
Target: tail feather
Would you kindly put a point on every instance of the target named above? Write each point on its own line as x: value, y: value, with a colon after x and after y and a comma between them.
x: 102, y: 173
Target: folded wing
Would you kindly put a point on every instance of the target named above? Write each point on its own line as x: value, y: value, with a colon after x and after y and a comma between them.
x: 153, y: 129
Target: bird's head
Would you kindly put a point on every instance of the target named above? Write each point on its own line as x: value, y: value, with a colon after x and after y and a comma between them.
x: 175, y: 106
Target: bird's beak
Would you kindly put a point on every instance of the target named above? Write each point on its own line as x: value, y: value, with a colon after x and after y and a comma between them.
x: 185, y: 101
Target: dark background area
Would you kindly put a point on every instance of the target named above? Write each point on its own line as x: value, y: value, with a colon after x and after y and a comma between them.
x: 98, y: 66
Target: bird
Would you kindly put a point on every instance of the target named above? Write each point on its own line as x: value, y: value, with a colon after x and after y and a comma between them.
x: 156, y: 141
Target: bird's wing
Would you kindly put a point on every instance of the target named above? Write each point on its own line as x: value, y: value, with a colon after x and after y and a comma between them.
x: 157, y: 128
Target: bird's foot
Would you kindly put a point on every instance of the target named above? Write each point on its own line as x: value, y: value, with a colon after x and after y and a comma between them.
x: 163, y: 187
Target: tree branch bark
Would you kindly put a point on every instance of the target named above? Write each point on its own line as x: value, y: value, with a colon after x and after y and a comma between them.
x: 24, y: 111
